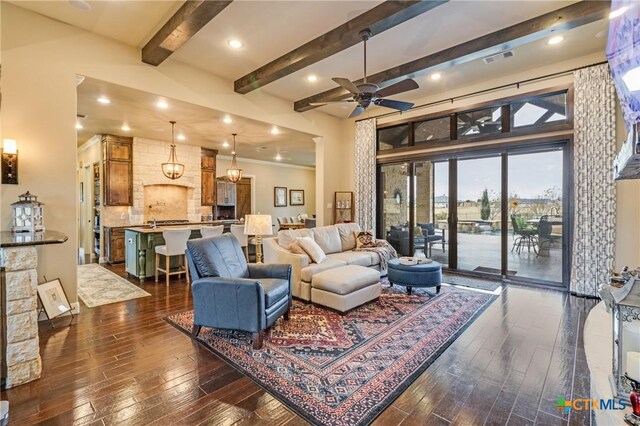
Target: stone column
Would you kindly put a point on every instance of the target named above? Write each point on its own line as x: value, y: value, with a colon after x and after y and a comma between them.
x: 423, y: 192
x: 23, y: 351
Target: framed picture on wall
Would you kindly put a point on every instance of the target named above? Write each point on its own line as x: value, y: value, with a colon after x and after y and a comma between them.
x: 296, y: 197
x: 279, y: 196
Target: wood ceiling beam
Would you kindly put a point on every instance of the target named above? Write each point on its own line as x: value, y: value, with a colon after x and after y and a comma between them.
x: 380, y: 18
x: 566, y: 18
x: 184, y: 24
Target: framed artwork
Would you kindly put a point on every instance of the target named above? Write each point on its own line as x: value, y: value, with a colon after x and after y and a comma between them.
x: 279, y: 196
x: 54, y: 300
x: 296, y: 197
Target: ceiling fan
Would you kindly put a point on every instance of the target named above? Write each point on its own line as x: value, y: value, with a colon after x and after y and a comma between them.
x: 366, y: 94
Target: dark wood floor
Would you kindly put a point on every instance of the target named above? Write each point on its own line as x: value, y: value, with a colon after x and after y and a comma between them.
x: 123, y: 364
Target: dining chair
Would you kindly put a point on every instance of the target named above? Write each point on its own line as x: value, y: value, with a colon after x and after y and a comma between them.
x: 238, y: 232
x: 211, y: 231
x: 175, y: 245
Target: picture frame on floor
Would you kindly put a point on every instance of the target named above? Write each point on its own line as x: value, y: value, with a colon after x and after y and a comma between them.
x: 279, y: 196
x: 53, y: 299
x: 296, y: 197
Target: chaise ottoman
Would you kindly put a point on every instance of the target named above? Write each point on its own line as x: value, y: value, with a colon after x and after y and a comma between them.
x: 421, y: 275
x: 345, y: 287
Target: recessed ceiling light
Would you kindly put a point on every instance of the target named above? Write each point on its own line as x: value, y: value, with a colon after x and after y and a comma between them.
x: 80, y: 4
x: 181, y: 137
x: 617, y: 12
x: 78, y: 125
x: 278, y: 157
x: 312, y: 77
x: 435, y: 76
x: 275, y: 130
x: 227, y: 119
x: 234, y: 43
x: 555, y: 40
x: 225, y: 144
x: 125, y: 128
x: 162, y: 104
x: 104, y: 100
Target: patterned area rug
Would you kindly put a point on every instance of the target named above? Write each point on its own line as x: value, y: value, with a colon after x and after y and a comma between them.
x: 335, y: 369
x: 99, y: 286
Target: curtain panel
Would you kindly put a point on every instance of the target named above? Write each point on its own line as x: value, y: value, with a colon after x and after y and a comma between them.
x: 365, y: 174
x: 594, y: 187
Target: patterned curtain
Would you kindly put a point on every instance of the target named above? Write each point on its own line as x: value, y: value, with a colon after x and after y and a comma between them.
x: 595, y: 190
x: 365, y: 169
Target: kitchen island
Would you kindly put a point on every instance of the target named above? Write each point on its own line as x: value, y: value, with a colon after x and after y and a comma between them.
x: 141, y: 241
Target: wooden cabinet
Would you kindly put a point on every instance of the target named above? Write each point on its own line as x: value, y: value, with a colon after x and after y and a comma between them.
x: 114, y: 244
x: 208, y: 171
x: 118, y: 170
x: 226, y: 193
x: 243, y: 198
x: 343, y: 209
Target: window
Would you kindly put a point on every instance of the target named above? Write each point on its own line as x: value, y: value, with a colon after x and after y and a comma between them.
x: 539, y: 111
x: 393, y: 137
x: 438, y: 129
x: 480, y: 122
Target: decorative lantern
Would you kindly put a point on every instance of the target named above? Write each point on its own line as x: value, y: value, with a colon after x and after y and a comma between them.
x: 27, y: 214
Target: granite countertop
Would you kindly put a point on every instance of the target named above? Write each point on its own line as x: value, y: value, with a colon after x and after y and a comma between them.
x: 10, y: 239
x: 194, y: 226
x: 211, y: 223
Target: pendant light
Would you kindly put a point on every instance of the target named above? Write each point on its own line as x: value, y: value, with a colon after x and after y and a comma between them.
x: 234, y: 174
x: 172, y: 169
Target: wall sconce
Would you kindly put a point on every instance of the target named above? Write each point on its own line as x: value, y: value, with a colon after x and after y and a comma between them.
x: 9, y: 162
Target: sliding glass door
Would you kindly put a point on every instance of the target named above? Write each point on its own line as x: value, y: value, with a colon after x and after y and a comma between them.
x: 503, y: 213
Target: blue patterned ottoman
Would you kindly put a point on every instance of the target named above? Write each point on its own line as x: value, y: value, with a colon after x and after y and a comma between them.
x: 421, y: 275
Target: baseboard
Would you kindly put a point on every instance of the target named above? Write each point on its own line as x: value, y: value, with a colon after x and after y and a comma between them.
x: 75, y: 308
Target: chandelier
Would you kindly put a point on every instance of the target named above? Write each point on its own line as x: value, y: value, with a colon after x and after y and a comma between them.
x: 172, y: 169
x: 234, y: 174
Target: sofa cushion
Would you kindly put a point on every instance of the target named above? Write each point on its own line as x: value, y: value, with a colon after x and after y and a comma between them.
x: 313, y: 250
x: 347, y: 237
x: 345, y: 280
x: 308, y: 272
x: 353, y: 257
x: 274, y: 290
x: 328, y: 238
x: 286, y: 237
x: 365, y: 239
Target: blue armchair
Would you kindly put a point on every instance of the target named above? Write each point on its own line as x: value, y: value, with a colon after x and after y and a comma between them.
x: 228, y: 293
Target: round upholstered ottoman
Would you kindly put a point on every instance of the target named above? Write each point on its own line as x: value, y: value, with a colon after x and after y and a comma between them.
x: 421, y: 275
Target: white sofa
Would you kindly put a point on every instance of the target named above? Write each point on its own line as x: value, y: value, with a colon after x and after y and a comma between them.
x: 337, y: 241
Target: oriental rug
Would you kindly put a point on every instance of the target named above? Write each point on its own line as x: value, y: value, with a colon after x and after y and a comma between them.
x: 98, y: 286
x: 335, y: 369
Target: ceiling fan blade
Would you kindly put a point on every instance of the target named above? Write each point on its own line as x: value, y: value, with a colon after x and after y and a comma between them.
x: 356, y: 112
x: 399, y: 87
x: 331, y: 102
x: 347, y: 84
x: 390, y: 103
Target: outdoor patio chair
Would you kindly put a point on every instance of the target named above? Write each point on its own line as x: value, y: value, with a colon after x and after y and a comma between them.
x: 524, y: 235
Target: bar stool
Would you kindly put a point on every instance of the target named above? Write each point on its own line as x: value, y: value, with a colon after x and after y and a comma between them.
x: 211, y: 231
x: 175, y: 245
x: 238, y: 232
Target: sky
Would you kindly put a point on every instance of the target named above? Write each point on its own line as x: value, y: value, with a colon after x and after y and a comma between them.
x: 529, y: 175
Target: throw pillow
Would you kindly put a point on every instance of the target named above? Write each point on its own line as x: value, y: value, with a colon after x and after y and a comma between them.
x: 312, y: 249
x: 296, y: 249
x: 364, y: 239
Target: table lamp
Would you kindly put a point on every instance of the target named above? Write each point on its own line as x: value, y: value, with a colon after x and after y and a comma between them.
x: 258, y: 225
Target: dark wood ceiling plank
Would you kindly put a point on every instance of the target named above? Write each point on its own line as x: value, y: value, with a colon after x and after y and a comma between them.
x: 572, y: 16
x: 184, y: 24
x: 379, y: 19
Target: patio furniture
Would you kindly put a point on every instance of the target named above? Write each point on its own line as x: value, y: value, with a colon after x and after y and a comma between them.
x: 420, y: 275
x: 230, y: 294
x: 429, y: 232
x: 524, y: 235
x: 399, y: 239
x: 546, y: 235
x: 345, y: 287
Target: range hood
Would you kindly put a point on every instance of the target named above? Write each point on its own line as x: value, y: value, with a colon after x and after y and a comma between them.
x: 626, y: 165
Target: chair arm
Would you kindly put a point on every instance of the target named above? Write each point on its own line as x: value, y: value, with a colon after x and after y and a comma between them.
x: 230, y: 303
x: 272, y: 270
x: 273, y: 253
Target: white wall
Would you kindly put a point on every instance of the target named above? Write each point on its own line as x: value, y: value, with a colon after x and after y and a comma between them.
x: 266, y: 176
x: 40, y: 60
